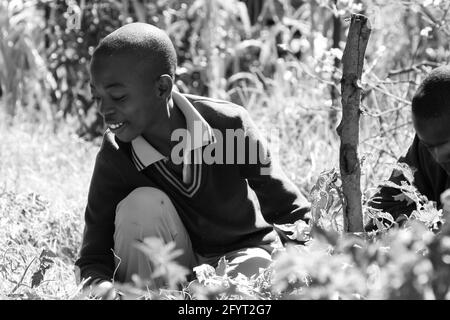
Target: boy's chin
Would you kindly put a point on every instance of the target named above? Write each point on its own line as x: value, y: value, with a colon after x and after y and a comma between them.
x: 125, y: 137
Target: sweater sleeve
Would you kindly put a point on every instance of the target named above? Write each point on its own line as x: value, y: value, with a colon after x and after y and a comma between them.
x: 96, y: 259
x: 280, y: 200
x: 389, y: 199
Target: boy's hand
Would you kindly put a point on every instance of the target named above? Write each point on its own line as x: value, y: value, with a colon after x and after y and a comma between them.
x: 103, y: 290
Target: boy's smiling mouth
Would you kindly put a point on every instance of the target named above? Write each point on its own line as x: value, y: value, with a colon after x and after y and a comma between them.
x: 116, y: 126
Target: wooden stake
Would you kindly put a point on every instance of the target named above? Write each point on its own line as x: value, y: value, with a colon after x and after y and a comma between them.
x: 348, y: 129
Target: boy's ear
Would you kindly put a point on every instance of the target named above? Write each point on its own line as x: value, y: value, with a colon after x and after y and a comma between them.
x: 164, y: 86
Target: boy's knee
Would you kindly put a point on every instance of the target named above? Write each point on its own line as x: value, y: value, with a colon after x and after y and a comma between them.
x: 142, y: 204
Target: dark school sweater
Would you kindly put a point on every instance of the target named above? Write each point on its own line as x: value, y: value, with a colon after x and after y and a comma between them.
x: 232, y: 208
x: 429, y: 178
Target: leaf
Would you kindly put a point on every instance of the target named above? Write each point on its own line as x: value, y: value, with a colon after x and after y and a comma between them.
x: 222, y: 267
x: 175, y: 274
x: 157, y: 251
x: 37, y: 278
x: 401, y: 218
x: 385, y: 215
x: 323, y: 195
x: 403, y: 197
x: 428, y: 215
x: 379, y: 225
x: 46, y: 262
x: 401, y: 168
x: 47, y: 253
x: 204, y: 272
x: 301, y: 231
x: 390, y: 184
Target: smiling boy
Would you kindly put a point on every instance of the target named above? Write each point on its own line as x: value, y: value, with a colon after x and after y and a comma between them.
x: 139, y: 189
x: 429, y: 153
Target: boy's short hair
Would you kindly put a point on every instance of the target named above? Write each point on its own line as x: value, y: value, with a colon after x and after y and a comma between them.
x: 432, y: 98
x: 143, y: 42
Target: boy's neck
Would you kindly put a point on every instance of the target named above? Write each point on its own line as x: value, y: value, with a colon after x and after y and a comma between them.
x: 176, y: 116
x: 177, y: 120
x: 161, y: 140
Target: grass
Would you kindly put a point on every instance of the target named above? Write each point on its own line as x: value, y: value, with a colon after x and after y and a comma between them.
x: 45, y: 178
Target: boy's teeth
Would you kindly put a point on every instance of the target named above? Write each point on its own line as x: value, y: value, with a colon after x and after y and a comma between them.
x: 116, y: 125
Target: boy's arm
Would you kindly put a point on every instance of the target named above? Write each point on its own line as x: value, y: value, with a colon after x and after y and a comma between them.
x: 96, y: 259
x: 421, y: 163
x: 280, y: 200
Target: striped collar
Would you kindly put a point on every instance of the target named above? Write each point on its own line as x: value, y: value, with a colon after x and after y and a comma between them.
x: 144, y: 154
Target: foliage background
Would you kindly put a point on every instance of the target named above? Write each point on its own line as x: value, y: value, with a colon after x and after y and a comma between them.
x: 278, y: 58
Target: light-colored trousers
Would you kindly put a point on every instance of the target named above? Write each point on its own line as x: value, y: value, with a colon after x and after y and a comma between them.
x: 148, y: 212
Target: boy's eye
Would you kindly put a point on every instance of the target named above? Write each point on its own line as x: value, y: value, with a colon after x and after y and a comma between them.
x: 120, y: 98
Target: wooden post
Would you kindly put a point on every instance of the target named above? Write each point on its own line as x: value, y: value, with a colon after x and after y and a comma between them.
x: 348, y: 129
x: 334, y: 92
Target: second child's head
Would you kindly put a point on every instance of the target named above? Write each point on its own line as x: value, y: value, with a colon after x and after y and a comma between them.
x: 132, y: 71
x: 431, y: 114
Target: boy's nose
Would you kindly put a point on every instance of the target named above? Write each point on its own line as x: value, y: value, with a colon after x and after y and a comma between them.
x: 104, y: 108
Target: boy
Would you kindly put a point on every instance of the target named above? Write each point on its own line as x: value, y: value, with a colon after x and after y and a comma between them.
x: 146, y: 183
x: 429, y: 154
